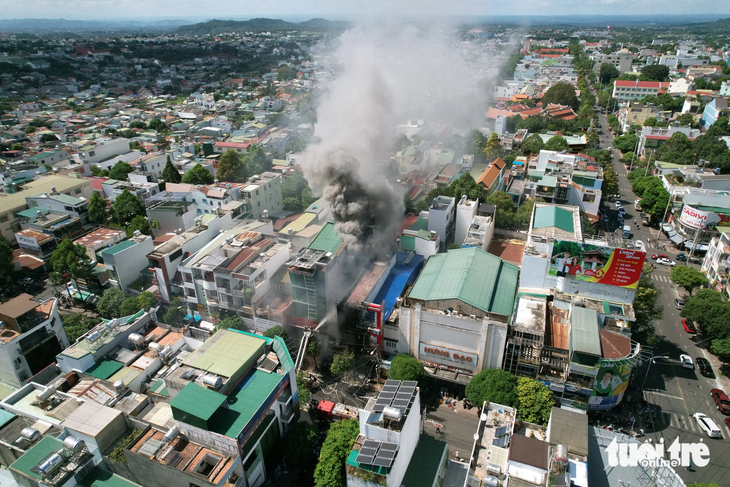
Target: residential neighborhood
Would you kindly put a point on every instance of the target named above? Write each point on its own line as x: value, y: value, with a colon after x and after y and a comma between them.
x: 262, y: 252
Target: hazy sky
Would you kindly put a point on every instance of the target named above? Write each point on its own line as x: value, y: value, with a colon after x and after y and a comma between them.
x: 346, y: 9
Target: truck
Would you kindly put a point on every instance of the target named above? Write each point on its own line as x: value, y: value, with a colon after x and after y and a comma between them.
x: 627, y: 231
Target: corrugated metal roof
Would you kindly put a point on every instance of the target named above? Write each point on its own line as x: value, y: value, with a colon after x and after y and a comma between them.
x: 227, y: 352
x: 104, y: 369
x: 118, y: 247
x: 408, y: 242
x: 584, y: 331
x: 471, y: 275
x: 327, y: 240
x: 300, y: 223
x: 553, y: 216
x: 419, y: 224
x: 35, y: 454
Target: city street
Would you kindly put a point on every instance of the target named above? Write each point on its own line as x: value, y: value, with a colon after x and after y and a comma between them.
x: 677, y: 391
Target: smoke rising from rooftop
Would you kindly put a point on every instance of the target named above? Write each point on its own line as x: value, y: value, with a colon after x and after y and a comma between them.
x: 385, y: 77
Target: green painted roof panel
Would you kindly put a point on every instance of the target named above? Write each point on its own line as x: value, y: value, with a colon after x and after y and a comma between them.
x: 197, y: 401
x: 471, y: 275
x: 327, y: 239
x: 425, y: 463
x: 33, y: 457
x: 419, y: 224
x: 115, y: 249
x: 105, y: 369
x: 553, y: 216
x: 98, y: 477
x: 408, y: 242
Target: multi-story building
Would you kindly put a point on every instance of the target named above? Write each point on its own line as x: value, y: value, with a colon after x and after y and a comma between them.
x: 127, y: 259
x: 262, y: 192
x: 99, y: 239
x: 442, y: 218
x: 13, y: 203
x: 635, y: 90
x: 717, y: 262
x: 37, y: 244
x: 106, y: 153
x: 232, y: 399
x: 621, y: 60
x: 31, y: 336
x: 654, y: 137
x: 74, y: 206
x: 455, y: 317
x: 637, y: 114
x: 233, y: 272
x: 717, y: 108
x: 171, y: 213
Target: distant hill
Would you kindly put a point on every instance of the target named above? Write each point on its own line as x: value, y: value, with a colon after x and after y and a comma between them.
x: 65, y: 25
x: 261, y: 25
x: 716, y: 27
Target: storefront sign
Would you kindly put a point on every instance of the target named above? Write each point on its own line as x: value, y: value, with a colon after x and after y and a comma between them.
x: 611, y: 383
x: 439, y: 354
x: 28, y: 243
x: 695, y: 218
x: 592, y: 263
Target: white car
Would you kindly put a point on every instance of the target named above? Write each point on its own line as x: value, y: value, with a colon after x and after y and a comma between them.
x: 686, y: 361
x: 618, y: 204
x: 640, y: 245
x: 707, y: 425
x: 663, y: 261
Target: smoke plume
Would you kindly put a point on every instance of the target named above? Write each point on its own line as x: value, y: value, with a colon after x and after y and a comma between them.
x: 385, y: 77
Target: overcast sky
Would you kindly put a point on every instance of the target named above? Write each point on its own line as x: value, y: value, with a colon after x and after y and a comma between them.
x: 342, y: 9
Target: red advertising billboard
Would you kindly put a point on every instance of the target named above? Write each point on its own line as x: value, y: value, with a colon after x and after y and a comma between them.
x: 592, y: 263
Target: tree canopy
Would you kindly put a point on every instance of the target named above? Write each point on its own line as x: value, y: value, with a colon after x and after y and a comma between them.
x: 533, y: 144
x: 231, y: 168
x: 342, y: 362
x: 120, y: 170
x: 561, y: 94
x: 170, y: 174
x: 127, y: 206
x: 607, y: 72
x: 276, y: 331
x: 175, y: 313
x: 654, y: 72
x: 233, y: 321
x: 197, y: 175
x: 493, y: 385
x: 557, y: 143
x: 76, y: 325
x: 97, y: 213
x: 688, y: 277
x: 7, y: 268
x: 330, y: 471
x: 708, y: 309
x: 406, y: 367
x: 110, y: 302
x: 505, y: 209
x: 535, y: 401
x: 69, y: 260
x: 140, y: 223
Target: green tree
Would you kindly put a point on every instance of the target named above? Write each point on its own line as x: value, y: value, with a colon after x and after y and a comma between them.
x: 197, y: 175
x: 465, y: 185
x: 120, y: 171
x: 126, y: 207
x: 646, y: 309
x: 303, y: 391
x: 298, y: 445
x: 651, y: 122
x: 708, y: 309
x: 147, y: 300
x: 110, y: 302
x: 330, y: 471
x: 140, y: 223
x: 561, y: 94
x: 607, y: 72
x: 7, y: 268
x: 654, y: 72
x: 493, y: 148
x: 721, y: 348
x: 97, y: 213
x: 129, y: 306
x: 342, y: 363
x: 170, y: 174
x: 231, y: 168
x: 157, y: 125
x: 293, y: 185
x: 30, y: 129
x: 313, y: 348
x: 677, y: 150
x: 256, y: 161
x: 688, y: 277
x: 76, y: 325
x: 493, y: 385
x: 69, y: 260
x: 505, y: 209
x: 276, y: 331
x: 524, y: 214
x: 535, y: 401
x: 533, y: 144
x: 233, y: 321
x: 557, y: 143
x: 477, y: 142
x: 175, y: 314
x: 407, y: 367
x: 285, y: 73
x: 293, y: 204
x: 46, y: 138
x: 625, y: 143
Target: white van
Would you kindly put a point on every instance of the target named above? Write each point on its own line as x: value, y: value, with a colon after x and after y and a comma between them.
x: 707, y: 425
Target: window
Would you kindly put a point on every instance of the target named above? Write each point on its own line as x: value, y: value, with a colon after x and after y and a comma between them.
x: 3, y: 218
x: 257, y: 192
x: 390, y: 343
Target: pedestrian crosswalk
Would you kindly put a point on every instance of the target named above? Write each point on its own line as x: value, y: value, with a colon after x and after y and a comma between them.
x: 688, y: 423
x: 655, y: 277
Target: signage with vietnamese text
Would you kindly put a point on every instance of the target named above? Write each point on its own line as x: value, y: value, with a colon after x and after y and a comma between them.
x: 692, y: 217
x: 28, y: 242
x: 439, y: 354
x: 593, y: 263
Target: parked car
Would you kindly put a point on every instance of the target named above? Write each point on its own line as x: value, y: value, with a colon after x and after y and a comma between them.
x: 682, y: 256
x: 721, y: 400
x: 705, y: 367
x: 679, y: 302
x: 707, y: 425
x: 689, y: 327
x: 686, y: 361
x: 664, y: 261
x: 659, y: 256
x: 618, y: 204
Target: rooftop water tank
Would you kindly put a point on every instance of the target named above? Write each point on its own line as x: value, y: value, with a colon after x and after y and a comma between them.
x: 50, y: 464
x: 30, y: 434
x: 74, y: 444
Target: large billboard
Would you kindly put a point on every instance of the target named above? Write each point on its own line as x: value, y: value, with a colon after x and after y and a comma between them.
x: 611, y: 382
x: 592, y: 263
x: 694, y: 218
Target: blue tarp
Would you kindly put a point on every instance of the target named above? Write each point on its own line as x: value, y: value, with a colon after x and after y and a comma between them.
x: 404, y: 272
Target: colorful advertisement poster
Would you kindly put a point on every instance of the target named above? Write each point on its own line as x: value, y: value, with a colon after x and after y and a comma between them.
x: 592, y: 263
x: 611, y: 382
x: 692, y: 217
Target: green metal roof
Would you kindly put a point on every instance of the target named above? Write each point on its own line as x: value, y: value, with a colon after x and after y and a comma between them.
x: 327, y: 239
x: 254, y: 391
x: 115, y: 249
x: 419, y: 224
x: 197, y: 401
x: 424, y: 234
x: 425, y: 463
x: 227, y: 352
x: 5, y: 417
x: 471, y: 275
x: 408, y: 242
x: 549, y: 181
x: 35, y: 454
x: 105, y: 369
x: 584, y: 331
x: 553, y: 216
x: 98, y: 477
x: 33, y: 212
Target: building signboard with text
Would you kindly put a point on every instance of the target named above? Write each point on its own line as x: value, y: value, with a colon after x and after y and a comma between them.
x: 448, y: 356
x: 593, y: 263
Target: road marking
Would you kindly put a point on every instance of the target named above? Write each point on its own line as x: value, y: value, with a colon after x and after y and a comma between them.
x: 663, y: 394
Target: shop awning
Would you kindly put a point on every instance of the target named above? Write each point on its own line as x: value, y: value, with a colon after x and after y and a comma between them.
x: 676, y: 239
x: 667, y: 227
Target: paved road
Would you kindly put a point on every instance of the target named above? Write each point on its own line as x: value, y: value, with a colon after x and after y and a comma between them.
x: 458, y: 426
x: 678, y: 392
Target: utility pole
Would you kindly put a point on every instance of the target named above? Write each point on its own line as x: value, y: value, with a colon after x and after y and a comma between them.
x: 648, y: 163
